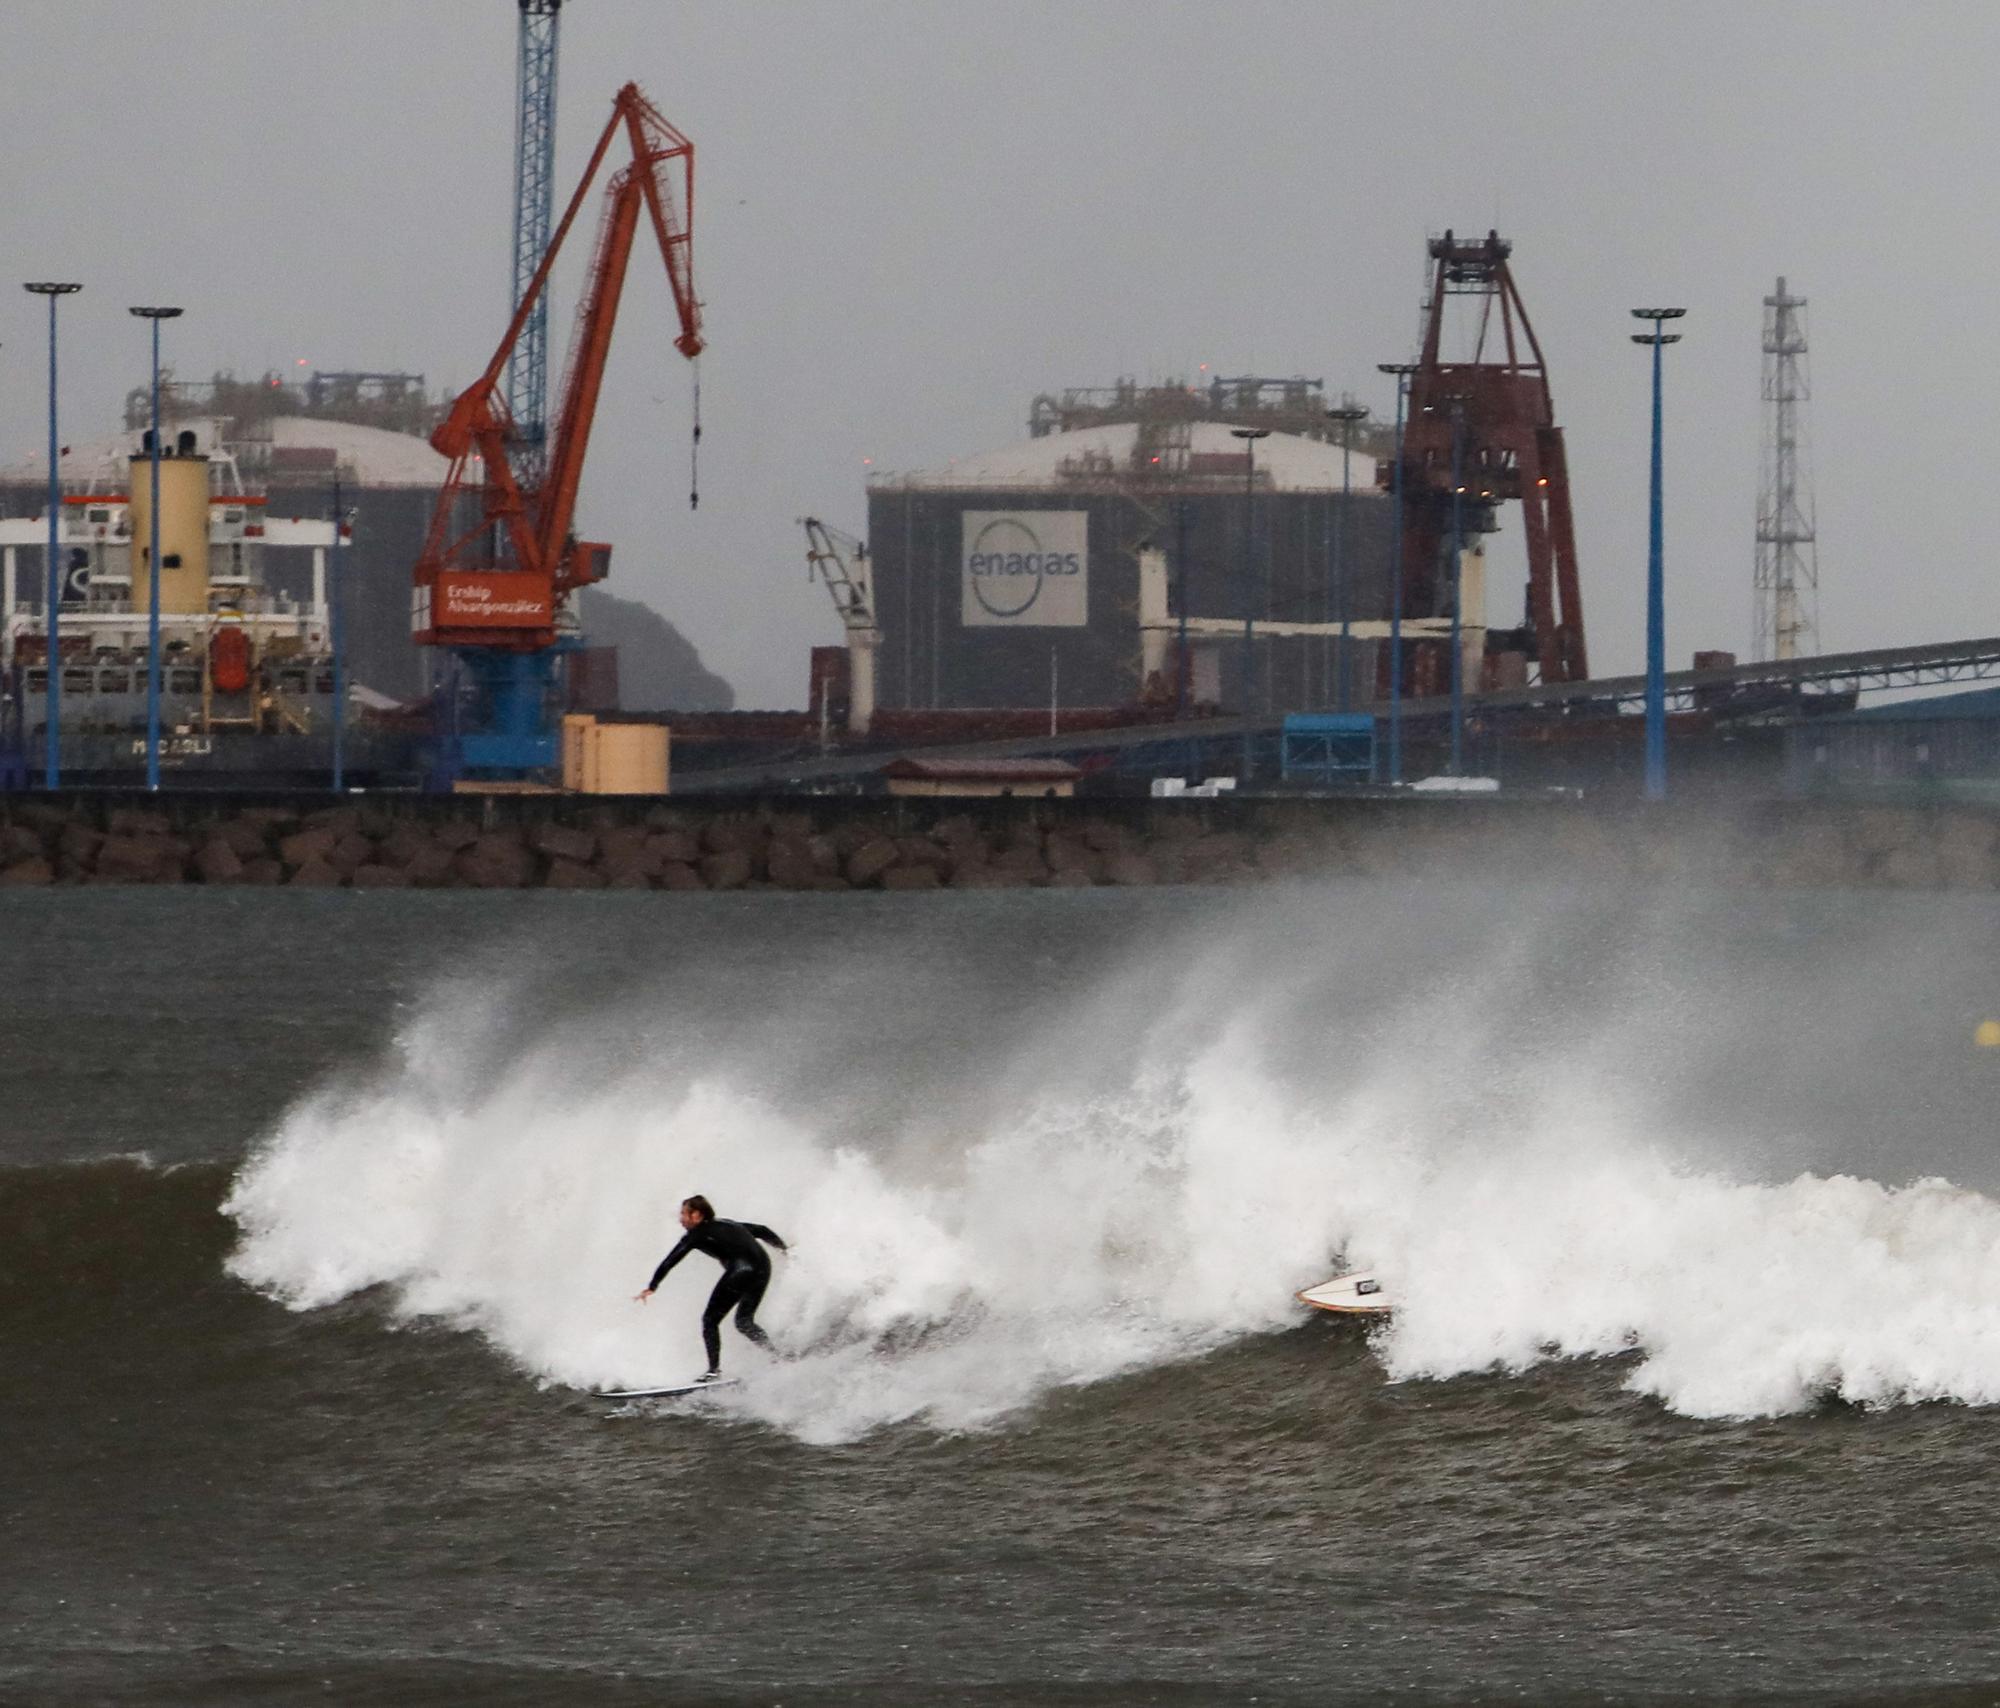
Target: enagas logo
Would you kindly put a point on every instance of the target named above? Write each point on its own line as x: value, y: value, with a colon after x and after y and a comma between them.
x: 1008, y: 566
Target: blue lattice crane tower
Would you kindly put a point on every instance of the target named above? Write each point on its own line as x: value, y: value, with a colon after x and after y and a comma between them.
x: 534, y: 196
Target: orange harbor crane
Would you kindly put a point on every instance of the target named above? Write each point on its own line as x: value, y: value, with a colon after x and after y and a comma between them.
x: 501, y: 557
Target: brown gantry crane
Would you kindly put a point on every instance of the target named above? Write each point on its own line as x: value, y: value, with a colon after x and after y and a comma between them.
x: 1482, y: 432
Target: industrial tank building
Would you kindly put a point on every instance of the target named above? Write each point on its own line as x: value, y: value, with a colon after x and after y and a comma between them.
x: 1012, y: 579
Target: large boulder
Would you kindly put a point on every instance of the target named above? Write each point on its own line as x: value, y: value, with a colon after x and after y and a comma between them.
x: 1023, y: 859
x: 922, y: 851
x: 431, y: 867
x: 1130, y: 868
x: 728, y: 870
x: 1218, y: 857
x: 138, y: 821
x: 571, y: 875
x: 140, y: 859
x: 244, y: 837
x: 33, y: 871
x: 20, y: 842
x: 404, y: 842
x: 621, y: 844
x: 790, y: 864
x: 78, y: 843
x: 1966, y: 851
x: 351, y: 852
x: 496, y: 862
x: 1910, y: 868
x: 561, y: 842
x: 870, y: 860
x: 380, y: 878
x: 680, y: 847
x: 729, y: 835
x: 1066, y: 854
x: 308, y: 847
x: 341, y: 820
x: 1808, y: 855
x: 217, y: 863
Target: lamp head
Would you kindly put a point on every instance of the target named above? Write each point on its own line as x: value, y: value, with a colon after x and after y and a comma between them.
x: 49, y: 288
x: 156, y: 313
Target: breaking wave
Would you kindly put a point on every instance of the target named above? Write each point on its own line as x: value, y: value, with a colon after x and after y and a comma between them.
x: 1143, y: 1168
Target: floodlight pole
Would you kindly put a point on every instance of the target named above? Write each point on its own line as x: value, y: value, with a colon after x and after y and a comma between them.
x: 337, y: 594
x: 52, y: 595
x: 1656, y: 601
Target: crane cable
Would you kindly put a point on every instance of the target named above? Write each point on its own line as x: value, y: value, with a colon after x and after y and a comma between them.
x: 694, y: 445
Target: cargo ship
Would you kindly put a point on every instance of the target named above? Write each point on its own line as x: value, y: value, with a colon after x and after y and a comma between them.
x: 247, y: 670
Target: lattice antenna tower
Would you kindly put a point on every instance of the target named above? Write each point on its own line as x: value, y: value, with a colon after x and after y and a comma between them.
x: 1787, y: 552
x: 534, y: 192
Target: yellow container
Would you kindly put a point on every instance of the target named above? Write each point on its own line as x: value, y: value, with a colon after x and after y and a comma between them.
x: 183, y: 534
x: 614, y: 759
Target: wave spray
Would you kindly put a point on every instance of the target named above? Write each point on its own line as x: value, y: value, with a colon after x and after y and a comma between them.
x: 1017, y: 1168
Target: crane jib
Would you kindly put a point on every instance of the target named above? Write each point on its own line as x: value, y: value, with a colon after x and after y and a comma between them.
x: 463, y: 592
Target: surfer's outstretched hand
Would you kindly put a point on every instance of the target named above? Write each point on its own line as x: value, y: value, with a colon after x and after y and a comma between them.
x: 641, y: 1298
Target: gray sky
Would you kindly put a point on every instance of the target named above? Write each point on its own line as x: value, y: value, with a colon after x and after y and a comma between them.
x: 913, y: 216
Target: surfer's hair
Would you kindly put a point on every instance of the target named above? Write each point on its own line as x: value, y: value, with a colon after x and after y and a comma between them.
x: 700, y: 1206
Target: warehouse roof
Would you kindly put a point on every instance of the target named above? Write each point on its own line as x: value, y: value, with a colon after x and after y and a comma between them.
x: 1291, y: 463
x: 372, y: 456
x: 1979, y: 703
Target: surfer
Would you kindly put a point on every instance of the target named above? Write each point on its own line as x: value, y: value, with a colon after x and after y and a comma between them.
x: 746, y: 1272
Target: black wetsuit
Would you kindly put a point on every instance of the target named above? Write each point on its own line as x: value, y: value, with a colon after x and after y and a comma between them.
x: 746, y: 1272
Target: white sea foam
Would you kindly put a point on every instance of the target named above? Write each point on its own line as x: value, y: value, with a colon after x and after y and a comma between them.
x: 1519, y: 1211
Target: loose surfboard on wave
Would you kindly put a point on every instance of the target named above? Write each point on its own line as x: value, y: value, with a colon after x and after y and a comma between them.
x: 673, y: 1390
x: 1359, y: 1294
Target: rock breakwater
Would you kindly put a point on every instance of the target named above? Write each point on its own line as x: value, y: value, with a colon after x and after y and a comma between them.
x: 834, y: 844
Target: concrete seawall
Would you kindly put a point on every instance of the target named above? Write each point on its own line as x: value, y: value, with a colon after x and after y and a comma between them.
x: 830, y: 843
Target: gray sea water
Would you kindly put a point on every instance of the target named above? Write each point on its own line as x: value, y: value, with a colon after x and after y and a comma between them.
x: 320, y: 1217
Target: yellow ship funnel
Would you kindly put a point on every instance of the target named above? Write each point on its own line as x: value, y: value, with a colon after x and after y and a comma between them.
x: 183, y: 530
